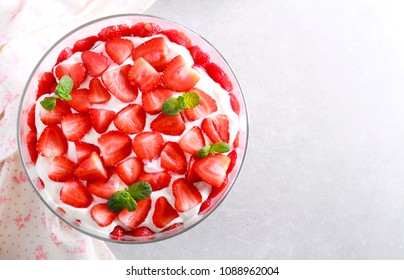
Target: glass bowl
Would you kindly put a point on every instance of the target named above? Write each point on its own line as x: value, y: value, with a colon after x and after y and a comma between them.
x: 47, y: 190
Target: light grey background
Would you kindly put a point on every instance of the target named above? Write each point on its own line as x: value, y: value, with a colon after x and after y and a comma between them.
x: 324, y: 173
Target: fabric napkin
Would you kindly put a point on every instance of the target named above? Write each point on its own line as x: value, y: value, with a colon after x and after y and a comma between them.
x: 28, y: 230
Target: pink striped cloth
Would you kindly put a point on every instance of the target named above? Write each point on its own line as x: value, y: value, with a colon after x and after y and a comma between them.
x: 28, y: 230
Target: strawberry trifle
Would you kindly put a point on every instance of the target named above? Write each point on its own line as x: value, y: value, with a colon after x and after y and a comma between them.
x: 132, y: 128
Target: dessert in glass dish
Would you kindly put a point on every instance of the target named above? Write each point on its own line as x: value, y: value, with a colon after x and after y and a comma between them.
x: 132, y: 128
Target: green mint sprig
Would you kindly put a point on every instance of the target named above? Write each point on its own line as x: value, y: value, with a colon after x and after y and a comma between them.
x: 62, y: 91
x: 174, y: 105
x: 219, y: 147
x: 127, y: 198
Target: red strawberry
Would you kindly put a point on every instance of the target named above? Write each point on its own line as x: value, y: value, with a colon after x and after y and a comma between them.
x: 206, y: 106
x: 157, y: 180
x: 176, y: 226
x: 213, y: 194
x: 219, y: 76
x: 131, y: 119
x: 119, y: 49
x: 117, y: 233
x: 134, y: 219
x: 110, y: 32
x: 55, y: 115
x: 102, y: 215
x: 143, y: 75
x: 64, y: 54
x: 61, y: 169
x: 84, y: 44
x: 129, y: 170
x: 192, y: 141
x: 79, y: 101
x: 31, y: 146
x: 75, y: 126
x: 102, y: 189
x: 236, y: 142
x: 148, y: 145
x: 173, y: 158
x: 178, y: 76
x: 153, y: 100
x: 144, y: 29
x: 212, y: 169
x: 235, y: 105
x: 31, y: 118
x: 186, y: 195
x: 101, y: 119
x: 91, y: 169
x: 216, y: 128
x: 154, y: 51
x: 114, y: 146
x: 169, y: 125
x: 117, y: 82
x: 191, y: 175
x: 96, y: 63
x: 142, y: 232
x: 45, y: 83
x: 41, y: 184
x: 200, y: 57
x: 97, y: 93
x: 178, y: 37
x: 76, y: 71
x: 75, y: 194
x: 233, y: 159
x: 83, y: 150
x: 164, y: 213
x: 52, y: 142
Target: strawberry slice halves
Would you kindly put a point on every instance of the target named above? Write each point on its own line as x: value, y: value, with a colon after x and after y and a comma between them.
x: 95, y: 63
x: 143, y: 75
x: 97, y: 93
x: 131, y: 119
x: 186, y: 195
x: 152, y: 101
x: 173, y: 158
x: 102, y: 215
x: 157, y: 180
x: 76, y: 71
x: 169, y: 125
x: 119, y: 49
x: 212, y: 169
x: 101, y: 119
x: 114, y: 146
x: 148, y: 145
x: 216, y: 128
x: 52, y: 142
x: 179, y: 76
x: 75, y: 126
x: 91, y: 169
x: 117, y: 82
x: 61, y: 169
x: 164, y: 213
x: 206, y: 106
x: 129, y: 170
x: 134, y: 219
x: 154, y: 51
x: 75, y: 194
x: 192, y: 141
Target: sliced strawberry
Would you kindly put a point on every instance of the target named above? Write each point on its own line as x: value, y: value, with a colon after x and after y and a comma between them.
x: 176, y: 226
x: 102, y: 215
x: 91, y: 169
x: 52, y: 142
x: 110, y: 32
x: 142, y: 232
x: 101, y: 119
x: 186, y: 195
x: 76, y: 71
x: 212, y: 169
x: 95, y: 63
x: 173, y: 158
x: 200, y: 57
x: 191, y: 175
x: 236, y: 142
x: 144, y: 29
x: 75, y: 126
x: 61, y: 169
x: 219, y: 76
x: 31, y: 118
x: 154, y: 51
x: 84, y: 149
x: 114, y: 146
x: 169, y: 125
x: 164, y: 213
x: 148, y: 145
x: 152, y: 101
x: 75, y: 194
x: 97, y: 93
x: 235, y: 105
x: 233, y: 159
x: 143, y: 75
x: 117, y: 82
x: 119, y: 49
x: 45, y: 83
x: 192, y: 141
x: 64, y: 54
x: 216, y: 128
x: 55, y: 115
x: 31, y: 146
x: 178, y: 76
x: 157, y: 180
x: 134, y: 219
x: 79, y: 101
x: 117, y: 233
x: 213, y: 194
x: 129, y: 170
x: 206, y: 106
x: 84, y: 44
x: 178, y: 37
x: 102, y: 189
x: 131, y: 119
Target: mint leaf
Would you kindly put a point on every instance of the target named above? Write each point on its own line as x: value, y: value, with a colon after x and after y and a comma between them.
x: 121, y: 200
x: 191, y: 99
x: 140, y: 190
x: 203, y: 152
x: 173, y: 106
x: 64, y: 88
x: 219, y: 147
x: 181, y: 103
x: 48, y: 103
